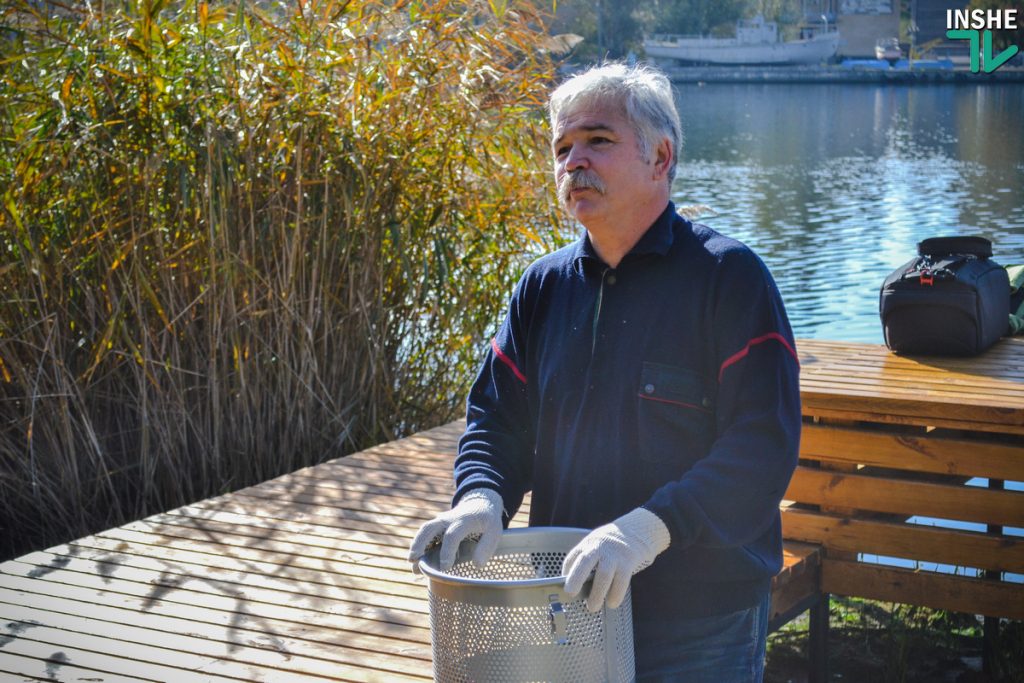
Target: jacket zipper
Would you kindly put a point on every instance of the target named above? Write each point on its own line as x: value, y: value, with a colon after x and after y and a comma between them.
x: 597, y: 313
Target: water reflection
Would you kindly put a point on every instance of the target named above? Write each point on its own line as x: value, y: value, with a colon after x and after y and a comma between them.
x: 835, y: 185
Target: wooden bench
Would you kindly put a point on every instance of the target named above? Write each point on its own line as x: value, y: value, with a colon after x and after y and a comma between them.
x: 893, y: 450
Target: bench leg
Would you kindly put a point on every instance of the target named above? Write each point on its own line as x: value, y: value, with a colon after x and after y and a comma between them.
x: 818, y: 640
x: 990, y: 644
x: 990, y: 634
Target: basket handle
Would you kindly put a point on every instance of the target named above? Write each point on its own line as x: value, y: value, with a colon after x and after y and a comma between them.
x: 559, y: 623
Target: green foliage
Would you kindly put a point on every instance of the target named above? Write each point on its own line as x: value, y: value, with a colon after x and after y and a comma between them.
x: 898, y: 643
x: 239, y: 239
x: 613, y: 29
x: 698, y: 17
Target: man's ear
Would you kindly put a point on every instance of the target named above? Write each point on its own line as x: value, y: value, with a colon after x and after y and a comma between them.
x: 663, y: 159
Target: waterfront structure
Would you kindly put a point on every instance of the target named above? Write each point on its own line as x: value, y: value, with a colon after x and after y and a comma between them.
x: 863, y: 22
x: 929, y: 16
x: 756, y: 42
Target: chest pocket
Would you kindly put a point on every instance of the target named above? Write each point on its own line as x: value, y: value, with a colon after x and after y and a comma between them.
x: 676, y: 416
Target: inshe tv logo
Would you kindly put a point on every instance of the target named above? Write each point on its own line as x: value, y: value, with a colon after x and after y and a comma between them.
x: 976, y: 25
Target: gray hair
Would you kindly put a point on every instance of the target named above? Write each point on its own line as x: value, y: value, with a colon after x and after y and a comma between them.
x: 644, y: 94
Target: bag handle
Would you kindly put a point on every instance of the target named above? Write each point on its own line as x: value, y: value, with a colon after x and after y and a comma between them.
x: 940, y: 246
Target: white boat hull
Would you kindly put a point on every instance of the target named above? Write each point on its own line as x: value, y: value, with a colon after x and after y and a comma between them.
x: 730, y: 51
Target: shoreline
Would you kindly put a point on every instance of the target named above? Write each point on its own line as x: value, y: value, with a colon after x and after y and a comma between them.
x: 837, y: 74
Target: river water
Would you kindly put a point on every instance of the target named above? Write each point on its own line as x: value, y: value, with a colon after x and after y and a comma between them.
x: 834, y: 185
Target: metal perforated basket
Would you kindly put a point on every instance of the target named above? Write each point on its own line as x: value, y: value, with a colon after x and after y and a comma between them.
x: 510, y: 620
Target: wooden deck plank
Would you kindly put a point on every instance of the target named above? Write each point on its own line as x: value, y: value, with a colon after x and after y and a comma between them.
x: 386, y: 512
x: 334, y: 575
x: 211, y: 531
x: 393, y: 621
x: 60, y: 656
x: 223, y: 617
x: 266, y: 512
x: 375, y: 481
x: 894, y: 389
x: 17, y: 666
x: 830, y: 348
x: 796, y: 558
x: 972, y: 372
x: 380, y: 545
x: 267, y: 557
x: 939, y: 591
x: 927, y: 453
x: 261, y: 526
x: 377, y: 462
x: 302, y: 647
x: 859, y: 413
x: 868, y: 379
x: 398, y: 606
x: 929, y: 544
x: 914, y: 410
x: 881, y: 494
x: 931, y: 386
x: 1000, y: 363
x: 189, y: 654
x: 846, y: 381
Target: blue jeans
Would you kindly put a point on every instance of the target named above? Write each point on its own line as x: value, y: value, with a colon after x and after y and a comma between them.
x: 728, y: 648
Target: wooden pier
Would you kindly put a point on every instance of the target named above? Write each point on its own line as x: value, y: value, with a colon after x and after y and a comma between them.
x: 305, y: 577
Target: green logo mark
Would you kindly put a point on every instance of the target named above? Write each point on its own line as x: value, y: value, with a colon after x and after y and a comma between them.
x: 982, y: 49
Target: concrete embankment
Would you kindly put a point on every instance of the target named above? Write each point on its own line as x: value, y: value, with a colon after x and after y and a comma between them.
x: 837, y: 74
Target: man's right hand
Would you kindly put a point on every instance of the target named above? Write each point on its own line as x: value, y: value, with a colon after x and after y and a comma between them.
x: 478, y: 514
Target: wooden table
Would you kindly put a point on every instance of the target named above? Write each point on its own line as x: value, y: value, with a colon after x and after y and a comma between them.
x: 851, y: 381
x: 887, y: 447
x: 305, y: 577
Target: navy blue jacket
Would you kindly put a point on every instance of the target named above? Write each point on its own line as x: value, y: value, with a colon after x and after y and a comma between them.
x: 669, y: 382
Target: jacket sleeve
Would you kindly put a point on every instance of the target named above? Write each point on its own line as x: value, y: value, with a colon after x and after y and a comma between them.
x: 730, y: 497
x: 496, y: 450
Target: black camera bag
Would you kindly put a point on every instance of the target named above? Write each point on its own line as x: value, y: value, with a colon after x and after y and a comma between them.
x: 950, y: 300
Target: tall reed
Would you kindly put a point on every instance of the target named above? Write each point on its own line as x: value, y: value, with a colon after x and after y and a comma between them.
x: 239, y: 239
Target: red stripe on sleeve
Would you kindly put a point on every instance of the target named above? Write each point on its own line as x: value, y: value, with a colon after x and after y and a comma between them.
x: 507, y: 361
x: 739, y: 355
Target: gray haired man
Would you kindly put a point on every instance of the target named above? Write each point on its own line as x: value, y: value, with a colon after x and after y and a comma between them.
x: 644, y: 384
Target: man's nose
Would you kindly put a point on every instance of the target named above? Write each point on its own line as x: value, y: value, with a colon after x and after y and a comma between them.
x: 576, y: 158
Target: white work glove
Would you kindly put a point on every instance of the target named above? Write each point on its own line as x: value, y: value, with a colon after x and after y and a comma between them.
x: 478, y: 514
x: 614, y: 552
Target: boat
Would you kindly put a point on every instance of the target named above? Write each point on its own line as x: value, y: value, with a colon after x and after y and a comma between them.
x: 756, y: 42
x: 888, y: 49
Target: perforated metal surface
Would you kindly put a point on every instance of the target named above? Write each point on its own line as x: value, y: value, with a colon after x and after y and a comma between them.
x: 512, y: 566
x: 497, y: 623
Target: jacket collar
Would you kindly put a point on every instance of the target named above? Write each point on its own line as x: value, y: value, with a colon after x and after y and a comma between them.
x: 657, y: 240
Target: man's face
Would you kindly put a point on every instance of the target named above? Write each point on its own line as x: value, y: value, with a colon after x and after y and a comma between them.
x: 599, y: 172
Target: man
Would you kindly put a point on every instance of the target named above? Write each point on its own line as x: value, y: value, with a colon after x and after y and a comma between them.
x: 645, y: 385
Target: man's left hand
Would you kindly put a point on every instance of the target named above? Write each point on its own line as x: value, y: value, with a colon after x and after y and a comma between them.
x: 613, y: 553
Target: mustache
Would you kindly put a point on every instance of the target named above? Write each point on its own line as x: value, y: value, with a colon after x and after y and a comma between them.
x: 580, y: 179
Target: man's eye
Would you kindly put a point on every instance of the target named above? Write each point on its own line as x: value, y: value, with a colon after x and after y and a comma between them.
x: 561, y: 151
x: 599, y: 140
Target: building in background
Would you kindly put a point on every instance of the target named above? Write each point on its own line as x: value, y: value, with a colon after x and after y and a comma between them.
x: 862, y: 23
x: 929, y: 17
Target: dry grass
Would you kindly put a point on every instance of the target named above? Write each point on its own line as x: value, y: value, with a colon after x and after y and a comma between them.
x: 244, y: 238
